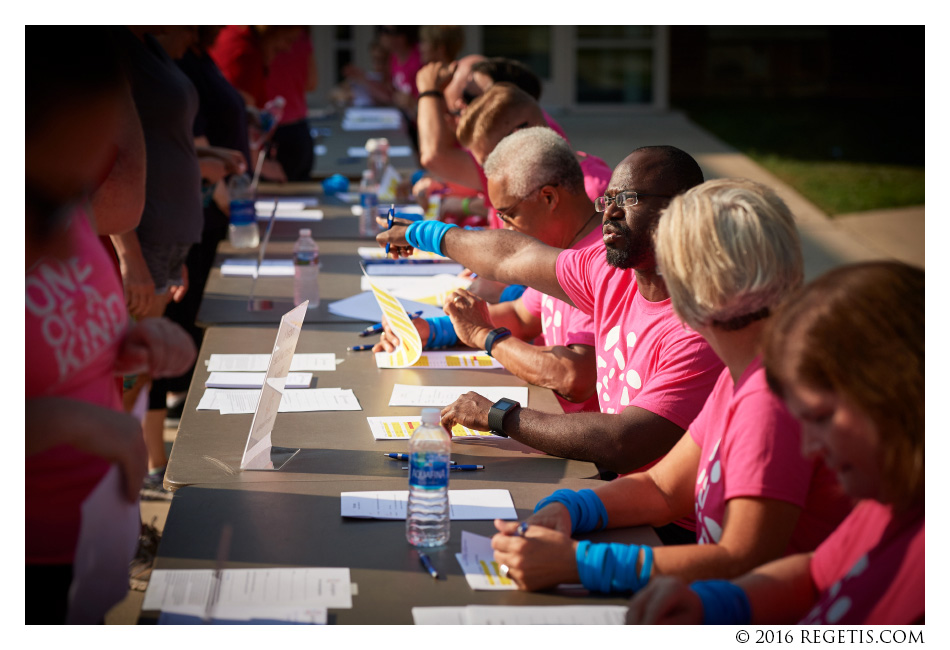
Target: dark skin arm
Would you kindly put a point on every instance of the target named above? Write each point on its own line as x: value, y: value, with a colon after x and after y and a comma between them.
x: 501, y: 255
x: 569, y: 371
x: 619, y: 442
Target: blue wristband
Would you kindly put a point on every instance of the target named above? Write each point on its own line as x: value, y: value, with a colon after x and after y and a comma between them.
x: 428, y: 235
x: 584, y: 507
x: 441, y: 333
x: 512, y: 292
x: 612, y: 567
x: 724, y: 603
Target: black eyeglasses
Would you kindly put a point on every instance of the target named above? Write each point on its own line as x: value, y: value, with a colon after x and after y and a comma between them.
x: 468, y: 96
x: 623, y: 199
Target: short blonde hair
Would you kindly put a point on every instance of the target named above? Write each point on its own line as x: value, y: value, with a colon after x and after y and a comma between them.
x: 729, y: 252
x: 487, y: 113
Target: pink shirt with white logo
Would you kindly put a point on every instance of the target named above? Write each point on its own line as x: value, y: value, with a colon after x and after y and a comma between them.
x: 870, y: 571
x: 562, y: 324
x: 75, y: 321
x: 751, y: 448
x: 645, y: 356
x: 403, y: 73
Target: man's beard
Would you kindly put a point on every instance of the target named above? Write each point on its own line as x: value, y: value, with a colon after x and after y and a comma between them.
x: 634, y: 250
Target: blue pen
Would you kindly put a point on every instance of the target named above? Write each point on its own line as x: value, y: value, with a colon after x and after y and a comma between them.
x: 406, y: 457
x: 427, y: 565
x: 459, y: 468
x: 378, y: 327
x: 360, y: 348
x: 389, y: 221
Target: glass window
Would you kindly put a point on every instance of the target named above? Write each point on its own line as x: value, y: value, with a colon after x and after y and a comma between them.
x: 529, y: 44
x: 615, y: 31
x: 614, y: 76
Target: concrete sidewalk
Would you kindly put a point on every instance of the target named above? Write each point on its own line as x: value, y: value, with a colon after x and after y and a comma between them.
x: 826, y: 243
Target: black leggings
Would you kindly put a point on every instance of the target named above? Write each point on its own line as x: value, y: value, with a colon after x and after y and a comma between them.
x: 47, y: 593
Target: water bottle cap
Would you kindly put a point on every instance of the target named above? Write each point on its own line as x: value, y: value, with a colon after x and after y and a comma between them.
x: 432, y: 416
x: 304, y: 232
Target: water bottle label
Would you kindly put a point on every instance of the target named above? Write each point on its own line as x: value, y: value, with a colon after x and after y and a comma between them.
x: 304, y: 258
x: 428, y: 471
x: 242, y: 212
x: 368, y: 200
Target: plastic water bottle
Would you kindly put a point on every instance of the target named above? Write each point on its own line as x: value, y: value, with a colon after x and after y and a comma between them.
x: 368, y: 201
x: 427, y: 516
x: 242, y: 230
x: 306, y: 270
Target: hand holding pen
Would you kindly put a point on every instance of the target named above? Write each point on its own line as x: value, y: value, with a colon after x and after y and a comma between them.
x: 389, y: 222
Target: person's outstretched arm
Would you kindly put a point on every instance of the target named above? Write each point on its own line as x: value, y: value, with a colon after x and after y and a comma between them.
x: 501, y: 255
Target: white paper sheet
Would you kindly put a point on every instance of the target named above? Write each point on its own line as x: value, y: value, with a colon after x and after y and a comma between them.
x: 221, y: 379
x: 514, y: 615
x: 399, y: 151
x: 414, y: 269
x: 244, y: 400
x: 477, y: 560
x: 363, y: 306
x: 108, y: 536
x: 291, y: 204
x: 371, y: 119
x: 293, y: 215
x: 400, y: 428
x: 406, y: 395
x: 430, y: 290
x: 442, y: 360
x: 464, y: 505
x: 301, y: 362
x: 246, y: 593
x: 377, y: 253
x: 237, y: 268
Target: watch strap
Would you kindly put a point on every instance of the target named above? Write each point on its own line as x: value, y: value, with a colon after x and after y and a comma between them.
x: 494, y: 336
x: 497, y: 413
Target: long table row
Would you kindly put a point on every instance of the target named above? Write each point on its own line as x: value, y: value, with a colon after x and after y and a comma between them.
x: 292, y: 517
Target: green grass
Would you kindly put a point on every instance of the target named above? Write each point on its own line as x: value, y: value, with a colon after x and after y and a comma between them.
x: 844, y: 156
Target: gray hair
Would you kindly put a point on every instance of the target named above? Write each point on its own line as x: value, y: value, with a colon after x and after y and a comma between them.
x: 530, y: 158
x: 729, y: 252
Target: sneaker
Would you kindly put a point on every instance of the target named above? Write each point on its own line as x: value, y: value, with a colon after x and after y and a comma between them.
x: 140, y: 568
x: 153, y: 488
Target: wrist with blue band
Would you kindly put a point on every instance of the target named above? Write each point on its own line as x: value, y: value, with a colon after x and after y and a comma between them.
x: 724, y: 603
x: 428, y: 235
x: 613, y: 567
x: 441, y: 333
x: 586, y: 509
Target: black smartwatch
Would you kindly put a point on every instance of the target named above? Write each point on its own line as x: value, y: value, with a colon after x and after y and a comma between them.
x: 496, y: 334
x: 497, y: 413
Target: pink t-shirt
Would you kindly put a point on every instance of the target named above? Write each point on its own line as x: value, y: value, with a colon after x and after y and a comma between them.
x: 403, y: 73
x: 562, y: 324
x: 751, y: 448
x: 554, y: 125
x: 870, y: 571
x: 75, y: 321
x: 645, y: 356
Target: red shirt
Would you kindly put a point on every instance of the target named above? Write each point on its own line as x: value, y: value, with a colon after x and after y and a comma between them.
x: 237, y: 52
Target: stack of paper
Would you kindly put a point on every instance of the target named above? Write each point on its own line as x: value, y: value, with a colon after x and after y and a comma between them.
x: 229, y: 401
x: 254, y: 380
x: 310, y: 361
x: 401, y: 428
x: 372, y: 119
x: 464, y: 505
x: 512, y: 615
x: 237, y: 268
x: 284, y: 595
x: 410, y: 395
